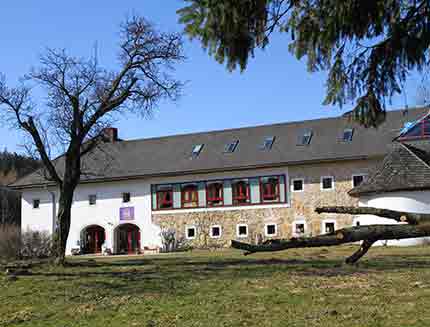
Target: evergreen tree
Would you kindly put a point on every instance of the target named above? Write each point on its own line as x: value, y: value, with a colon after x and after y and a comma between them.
x: 368, y: 47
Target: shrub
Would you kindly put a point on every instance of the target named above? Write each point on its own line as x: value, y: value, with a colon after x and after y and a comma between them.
x: 171, y: 243
x: 35, y: 244
x: 10, y: 241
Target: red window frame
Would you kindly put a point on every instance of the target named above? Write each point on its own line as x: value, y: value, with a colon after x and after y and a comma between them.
x: 193, y: 191
x: 242, y: 197
x: 270, y: 196
x: 162, y: 199
x: 218, y: 198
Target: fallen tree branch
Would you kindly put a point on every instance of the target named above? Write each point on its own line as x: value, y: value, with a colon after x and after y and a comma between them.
x: 412, y: 218
x: 365, y: 246
x: 369, y: 233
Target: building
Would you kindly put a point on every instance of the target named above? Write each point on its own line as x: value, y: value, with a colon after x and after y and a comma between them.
x: 249, y: 183
x: 402, y: 180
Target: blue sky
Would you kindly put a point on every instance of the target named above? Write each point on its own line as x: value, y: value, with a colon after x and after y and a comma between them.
x: 275, y: 88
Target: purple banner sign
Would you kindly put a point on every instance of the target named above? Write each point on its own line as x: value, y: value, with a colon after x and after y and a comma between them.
x: 126, y: 213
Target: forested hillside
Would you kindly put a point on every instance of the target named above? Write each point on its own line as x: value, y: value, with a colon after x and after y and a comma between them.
x: 12, y: 167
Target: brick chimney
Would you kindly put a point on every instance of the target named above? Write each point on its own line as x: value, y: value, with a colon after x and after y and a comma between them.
x: 110, y: 134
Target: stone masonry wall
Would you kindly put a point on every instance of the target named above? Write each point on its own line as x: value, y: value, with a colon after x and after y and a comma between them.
x: 301, y: 207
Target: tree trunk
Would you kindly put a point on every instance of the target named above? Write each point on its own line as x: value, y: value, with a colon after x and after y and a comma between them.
x: 400, y: 216
x: 370, y: 234
x: 63, y: 224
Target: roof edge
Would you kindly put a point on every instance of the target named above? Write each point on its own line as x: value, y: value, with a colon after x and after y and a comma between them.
x: 193, y: 172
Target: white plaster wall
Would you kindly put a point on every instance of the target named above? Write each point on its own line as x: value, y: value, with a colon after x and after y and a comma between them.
x: 416, y: 201
x: 36, y: 219
x: 105, y: 212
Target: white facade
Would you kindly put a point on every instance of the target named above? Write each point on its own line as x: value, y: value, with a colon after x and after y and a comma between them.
x: 412, y: 201
x: 106, y: 212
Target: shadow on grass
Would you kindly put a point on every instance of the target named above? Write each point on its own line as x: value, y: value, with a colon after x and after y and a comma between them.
x: 176, y: 275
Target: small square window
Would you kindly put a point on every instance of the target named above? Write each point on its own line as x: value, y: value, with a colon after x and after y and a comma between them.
x: 215, y: 231
x: 299, y: 228
x: 242, y: 230
x: 36, y: 203
x: 305, y: 137
x: 357, y: 180
x: 196, y: 150
x: 231, y: 147
x: 297, y: 185
x: 267, y: 143
x: 92, y: 199
x: 126, y: 197
x: 327, y: 183
x: 191, y: 232
x: 270, y: 229
x: 329, y: 227
x: 347, y: 134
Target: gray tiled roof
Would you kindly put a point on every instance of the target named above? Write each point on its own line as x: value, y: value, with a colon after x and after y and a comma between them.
x: 171, y: 155
x: 405, y: 168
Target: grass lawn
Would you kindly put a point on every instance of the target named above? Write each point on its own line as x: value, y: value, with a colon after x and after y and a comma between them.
x: 310, y: 287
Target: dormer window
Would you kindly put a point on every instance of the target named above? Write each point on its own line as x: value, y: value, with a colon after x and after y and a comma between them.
x: 231, y: 147
x: 267, y: 143
x: 347, y: 134
x: 196, y: 150
x: 305, y: 137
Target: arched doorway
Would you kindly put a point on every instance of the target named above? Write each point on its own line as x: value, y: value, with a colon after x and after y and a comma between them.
x: 92, y: 238
x: 127, y: 239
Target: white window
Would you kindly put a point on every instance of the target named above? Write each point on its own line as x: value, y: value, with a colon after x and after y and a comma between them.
x: 299, y: 227
x: 215, y: 231
x: 242, y: 230
x: 92, y: 199
x: 190, y: 232
x: 36, y: 203
x: 356, y: 222
x: 297, y: 185
x: 358, y: 179
x: 126, y: 197
x: 327, y: 183
x: 270, y: 229
x: 328, y: 226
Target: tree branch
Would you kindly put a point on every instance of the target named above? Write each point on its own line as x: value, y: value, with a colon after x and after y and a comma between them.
x: 412, y: 218
x: 365, y: 246
x: 370, y: 233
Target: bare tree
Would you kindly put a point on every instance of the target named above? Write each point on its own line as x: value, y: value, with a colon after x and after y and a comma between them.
x: 83, y: 98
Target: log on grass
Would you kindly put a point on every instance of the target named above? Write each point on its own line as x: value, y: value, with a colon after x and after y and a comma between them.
x: 412, y: 218
x: 370, y: 233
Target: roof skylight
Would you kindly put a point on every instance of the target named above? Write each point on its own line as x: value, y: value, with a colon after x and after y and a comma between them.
x: 267, y: 143
x: 231, y: 147
x: 347, y: 134
x: 305, y: 137
x: 197, y: 149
